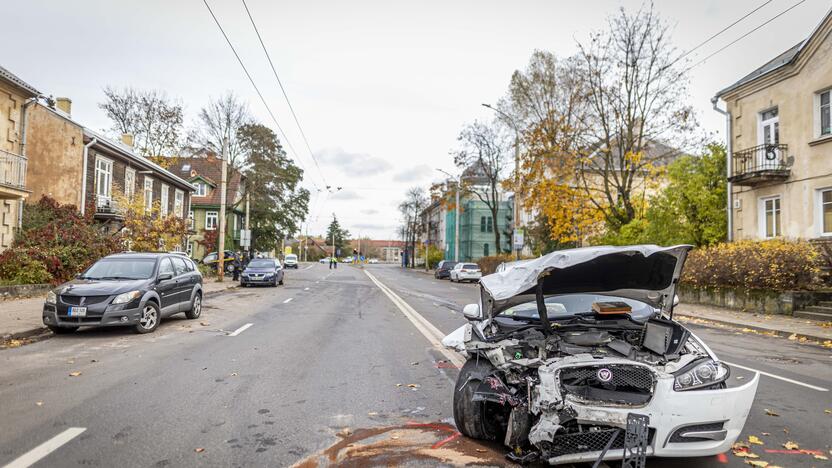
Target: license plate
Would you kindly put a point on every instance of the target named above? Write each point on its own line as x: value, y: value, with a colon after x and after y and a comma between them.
x: 77, y: 311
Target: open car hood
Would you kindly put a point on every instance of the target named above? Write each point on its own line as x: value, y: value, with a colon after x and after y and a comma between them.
x: 646, y: 273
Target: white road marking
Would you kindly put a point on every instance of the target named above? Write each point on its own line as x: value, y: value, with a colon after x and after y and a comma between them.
x: 240, y: 330
x: 36, y: 454
x: 310, y: 266
x: 433, y: 334
x: 778, y: 377
x: 287, y: 301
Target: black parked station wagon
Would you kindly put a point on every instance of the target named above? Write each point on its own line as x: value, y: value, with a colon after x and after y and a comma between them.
x: 127, y: 289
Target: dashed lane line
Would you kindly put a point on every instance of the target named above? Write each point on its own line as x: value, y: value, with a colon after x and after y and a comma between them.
x: 240, y: 330
x: 38, y: 453
x: 433, y: 334
x: 288, y: 300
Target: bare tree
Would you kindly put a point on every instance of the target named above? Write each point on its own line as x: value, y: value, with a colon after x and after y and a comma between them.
x: 154, y: 120
x: 218, y: 124
x: 415, y: 201
x: 483, y: 157
x: 636, y: 97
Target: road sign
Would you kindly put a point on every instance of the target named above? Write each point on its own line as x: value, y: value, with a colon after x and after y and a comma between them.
x: 287, y: 250
x: 245, y: 237
x: 518, y: 239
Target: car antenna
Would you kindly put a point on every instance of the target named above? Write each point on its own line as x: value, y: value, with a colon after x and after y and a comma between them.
x: 541, y: 305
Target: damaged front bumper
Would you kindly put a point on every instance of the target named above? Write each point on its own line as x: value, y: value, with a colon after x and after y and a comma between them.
x: 681, y: 424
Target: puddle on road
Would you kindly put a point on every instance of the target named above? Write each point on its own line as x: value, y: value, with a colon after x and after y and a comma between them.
x: 405, y: 445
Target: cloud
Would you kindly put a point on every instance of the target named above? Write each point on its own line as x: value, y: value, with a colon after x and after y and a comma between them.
x: 352, y: 163
x: 370, y: 211
x: 422, y: 171
x: 345, y: 195
x: 371, y: 226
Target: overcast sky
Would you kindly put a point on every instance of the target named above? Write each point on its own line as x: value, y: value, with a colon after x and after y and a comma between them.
x: 381, y: 87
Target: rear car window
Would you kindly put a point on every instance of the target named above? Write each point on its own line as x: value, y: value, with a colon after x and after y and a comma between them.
x: 471, y: 266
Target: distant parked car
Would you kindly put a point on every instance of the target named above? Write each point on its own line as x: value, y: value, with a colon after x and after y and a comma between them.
x: 443, y: 269
x: 466, y: 272
x: 372, y: 261
x: 348, y: 259
x: 290, y: 261
x: 262, y: 271
x: 324, y: 260
x: 228, y: 266
x: 128, y: 289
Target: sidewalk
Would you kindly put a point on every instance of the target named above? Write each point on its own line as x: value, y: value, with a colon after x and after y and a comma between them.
x: 766, y: 324
x: 21, y: 318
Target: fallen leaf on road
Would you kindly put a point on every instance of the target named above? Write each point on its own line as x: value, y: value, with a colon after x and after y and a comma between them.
x: 93, y: 360
x: 745, y: 454
x: 71, y: 361
x: 415, y: 363
x: 372, y: 413
x: 786, y: 430
x: 828, y: 411
x: 39, y: 403
x: 752, y: 439
x: 761, y: 463
x: 199, y: 450
x: 821, y: 457
x: 345, y: 432
x: 793, y: 336
x: 481, y: 450
x: 766, y: 433
x: 771, y: 413
x: 395, y: 437
x: 204, y: 324
x: 739, y: 446
x: 399, y: 385
x: 74, y: 374
x: 233, y: 374
x: 413, y: 385
x: 791, y: 445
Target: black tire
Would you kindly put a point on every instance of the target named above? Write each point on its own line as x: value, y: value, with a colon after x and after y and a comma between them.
x: 149, y: 318
x: 476, y: 419
x: 196, y: 307
x: 281, y: 282
x: 62, y: 330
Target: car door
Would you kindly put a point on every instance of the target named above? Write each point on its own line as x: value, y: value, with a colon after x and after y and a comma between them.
x: 167, y: 287
x: 184, y: 283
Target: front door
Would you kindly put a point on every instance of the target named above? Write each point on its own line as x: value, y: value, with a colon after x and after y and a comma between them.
x: 167, y: 288
x: 184, y: 283
x: 768, y: 157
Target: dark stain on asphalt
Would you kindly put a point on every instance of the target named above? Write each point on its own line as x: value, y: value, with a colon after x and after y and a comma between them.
x: 121, y: 435
x: 263, y: 411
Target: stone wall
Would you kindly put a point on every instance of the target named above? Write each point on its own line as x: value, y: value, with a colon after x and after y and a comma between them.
x: 748, y: 300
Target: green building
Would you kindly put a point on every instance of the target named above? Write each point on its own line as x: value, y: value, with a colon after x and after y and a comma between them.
x: 476, y: 234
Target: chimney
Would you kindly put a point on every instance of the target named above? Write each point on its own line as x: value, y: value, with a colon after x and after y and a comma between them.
x: 127, y: 139
x: 64, y: 105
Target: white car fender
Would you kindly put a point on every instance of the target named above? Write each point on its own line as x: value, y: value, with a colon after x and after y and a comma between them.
x: 456, y: 339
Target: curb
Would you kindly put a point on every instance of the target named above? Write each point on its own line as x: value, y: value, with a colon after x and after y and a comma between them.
x: 37, y: 332
x: 779, y: 333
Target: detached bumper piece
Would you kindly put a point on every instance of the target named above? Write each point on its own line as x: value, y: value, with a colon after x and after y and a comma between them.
x: 635, y: 441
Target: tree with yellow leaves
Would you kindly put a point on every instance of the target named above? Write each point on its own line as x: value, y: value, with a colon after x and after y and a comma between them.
x: 146, y: 230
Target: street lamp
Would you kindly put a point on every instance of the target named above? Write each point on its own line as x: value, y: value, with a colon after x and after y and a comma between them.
x: 516, y: 215
x: 458, y: 181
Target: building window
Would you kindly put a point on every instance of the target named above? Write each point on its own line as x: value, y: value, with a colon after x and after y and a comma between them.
x: 201, y: 189
x: 211, y: 218
x: 178, y: 203
x: 825, y: 200
x: 129, y: 182
x: 770, y: 217
x: 190, y: 249
x: 485, y: 250
x: 103, y: 180
x: 825, y: 112
x: 489, y: 225
x: 148, y: 194
x: 165, y: 199
x: 482, y: 224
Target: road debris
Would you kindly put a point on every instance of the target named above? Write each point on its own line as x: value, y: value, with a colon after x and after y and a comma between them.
x: 199, y: 450
x: 791, y: 445
x: 771, y: 413
x: 74, y: 374
x: 752, y: 439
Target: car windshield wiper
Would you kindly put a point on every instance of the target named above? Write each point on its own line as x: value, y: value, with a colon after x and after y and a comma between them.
x: 118, y: 278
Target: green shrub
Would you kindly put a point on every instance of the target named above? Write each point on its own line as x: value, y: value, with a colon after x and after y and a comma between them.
x: 489, y: 264
x: 775, y: 265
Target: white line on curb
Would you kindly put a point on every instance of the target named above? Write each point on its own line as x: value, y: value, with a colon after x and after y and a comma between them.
x: 433, y: 334
x: 240, y: 330
x: 774, y: 376
x: 287, y: 301
x: 36, y: 454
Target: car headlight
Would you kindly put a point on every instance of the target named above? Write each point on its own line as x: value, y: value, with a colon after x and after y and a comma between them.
x: 124, y: 298
x: 51, y: 298
x: 701, y: 374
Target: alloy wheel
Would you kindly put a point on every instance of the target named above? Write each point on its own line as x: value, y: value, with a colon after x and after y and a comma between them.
x: 148, y: 318
x: 197, y: 306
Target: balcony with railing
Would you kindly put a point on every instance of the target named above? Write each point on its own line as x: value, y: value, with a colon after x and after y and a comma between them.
x: 761, y: 164
x: 12, y: 175
x: 107, y: 208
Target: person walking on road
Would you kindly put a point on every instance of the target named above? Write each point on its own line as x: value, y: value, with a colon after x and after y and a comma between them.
x: 333, y: 263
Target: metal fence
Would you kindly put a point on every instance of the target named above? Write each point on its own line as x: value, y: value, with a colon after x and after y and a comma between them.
x: 12, y: 169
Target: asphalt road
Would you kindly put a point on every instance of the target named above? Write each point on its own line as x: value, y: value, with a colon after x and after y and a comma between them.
x: 329, y: 371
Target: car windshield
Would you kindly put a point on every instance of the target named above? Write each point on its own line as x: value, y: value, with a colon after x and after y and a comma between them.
x: 291, y: 257
x: 121, y: 269
x: 567, y: 305
x: 261, y: 264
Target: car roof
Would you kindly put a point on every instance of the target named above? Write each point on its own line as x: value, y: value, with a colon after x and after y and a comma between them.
x: 138, y: 255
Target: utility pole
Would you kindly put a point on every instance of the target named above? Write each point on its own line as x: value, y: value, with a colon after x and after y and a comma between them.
x: 456, y: 221
x: 248, y: 226
x: 223, y: 201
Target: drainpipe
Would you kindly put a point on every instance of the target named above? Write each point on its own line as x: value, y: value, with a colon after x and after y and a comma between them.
x: 23, y: 131
x: 728, y: 165
x: 84, y: 175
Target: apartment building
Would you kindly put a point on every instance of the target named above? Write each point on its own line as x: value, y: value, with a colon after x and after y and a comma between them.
x: 780, y: 143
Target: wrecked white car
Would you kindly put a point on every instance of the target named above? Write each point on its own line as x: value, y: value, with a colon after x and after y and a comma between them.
x: 575, y: 356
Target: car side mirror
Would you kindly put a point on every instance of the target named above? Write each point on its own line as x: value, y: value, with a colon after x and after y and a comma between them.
x: 471, y: 311
x: 675, y: 300
x: 165, y: 276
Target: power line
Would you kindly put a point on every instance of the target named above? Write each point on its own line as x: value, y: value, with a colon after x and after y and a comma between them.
x: 285, y: 95
x: 744, y: 35
x: 723, y: 30
x: 250, y: 79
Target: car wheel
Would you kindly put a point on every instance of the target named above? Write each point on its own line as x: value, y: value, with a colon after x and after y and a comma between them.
x: 229, y: 268
x: 62, y: 330
x: 148, y: 319
x: 476, y: 419
x: 196, y: 307
x: 281, y: 281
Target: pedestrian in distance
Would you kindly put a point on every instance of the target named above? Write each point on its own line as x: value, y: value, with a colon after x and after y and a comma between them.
x: 237, y: 268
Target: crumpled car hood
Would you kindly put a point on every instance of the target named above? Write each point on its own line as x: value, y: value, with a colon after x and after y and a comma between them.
x: 647, y: 273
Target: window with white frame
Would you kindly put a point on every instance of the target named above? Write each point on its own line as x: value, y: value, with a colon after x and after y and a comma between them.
x: 190, y: 249
x: 824, y: 113
x: 211, y: 219
x: 103, y: 180
x: 178, y: 203
x: 165, y: 199
x: 129, y: 182
x: 201, y: 189
x: 148, y: 193
x: 769, y: 217
x: 825, y: 211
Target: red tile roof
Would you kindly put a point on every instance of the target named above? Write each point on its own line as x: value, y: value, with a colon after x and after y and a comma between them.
x: 208, y: 166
